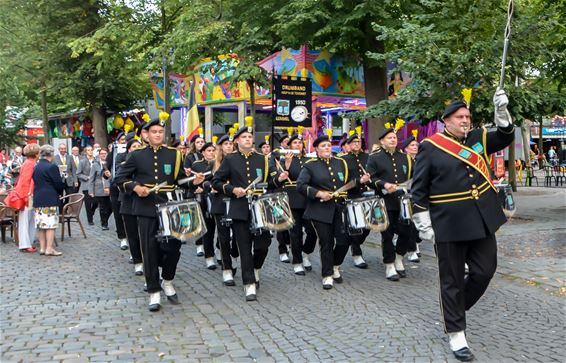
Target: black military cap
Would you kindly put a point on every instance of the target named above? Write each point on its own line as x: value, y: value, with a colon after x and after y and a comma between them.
x: 453, y: 107
x: 282, y: 137
x: 351, y: 138
x: 261, y: 144
x: 130, y: 136
x: 342, y: 142
x: 153, y: 122
x: 242, y: 130
x: 120, y: 134
x: 207, y: 145
x: 194, y: 138
x: 130, y: 143
x: 320, y: 139
x: 295, y: 137
x: 385, y: 132
x: 408, y: 142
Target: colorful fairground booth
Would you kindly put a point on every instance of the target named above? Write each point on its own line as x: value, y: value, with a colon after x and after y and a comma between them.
x: 314, y: 89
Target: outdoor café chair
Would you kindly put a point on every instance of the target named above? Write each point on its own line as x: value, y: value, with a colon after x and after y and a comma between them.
x: 71, y: 212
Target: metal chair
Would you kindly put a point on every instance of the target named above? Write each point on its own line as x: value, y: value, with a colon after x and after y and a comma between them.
x: 530, y: 176
x: 560, y: 175
x: 8, y: 220
x: 548, y: 176
x: 71, y: 212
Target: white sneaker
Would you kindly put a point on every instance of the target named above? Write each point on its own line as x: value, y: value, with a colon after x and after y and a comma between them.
x: 359, y: 262
x: 228, y: 278
x: 283, y: 257
x: 399, y: 266
x: 138, y: 269
x: 336, y: 275
x: 418, y: 251
x: 155, y: 301
x: 327, y: 282
x: 250, y: 292
x: 123, y: 244
x: 390, y: 272
x: 299, y: 270
x: 210, y: 264
x: 200, y: 250
x: 413, y: 257
x: 167, y: 286
x: 218, y: 255
x: 307, y: 262
x: 457, y: 340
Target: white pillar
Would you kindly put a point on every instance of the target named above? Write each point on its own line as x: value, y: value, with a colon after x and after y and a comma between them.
x: 208, y: 117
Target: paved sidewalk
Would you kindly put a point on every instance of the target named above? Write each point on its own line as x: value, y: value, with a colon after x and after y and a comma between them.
x: 88, y: 306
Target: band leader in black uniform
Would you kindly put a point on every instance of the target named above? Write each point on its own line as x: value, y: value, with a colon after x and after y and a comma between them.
x: 236, y: 173
x: 144, y: 169
x: 357, y: 161
x: 389, y: 167
x: 456, y: 206
x: 126, y: 210
x: 319, y: 181
x: 293, y: 163
x: 202, y: 193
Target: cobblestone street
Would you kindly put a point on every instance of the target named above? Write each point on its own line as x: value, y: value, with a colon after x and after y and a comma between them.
x: 88, y: 306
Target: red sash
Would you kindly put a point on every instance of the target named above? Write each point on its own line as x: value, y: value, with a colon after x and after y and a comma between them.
x: 463, y: 153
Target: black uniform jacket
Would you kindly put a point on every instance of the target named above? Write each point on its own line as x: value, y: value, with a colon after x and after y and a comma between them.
x: 125, y: 199
x: 240, y: 170
x: 149, y: 166
x: 191, y: 158
x: 297, y: 200
x: 385, y: 167
x: 202, y: 166
x: 462, y: 204
x: 356, y: 164
x: 322, y: 175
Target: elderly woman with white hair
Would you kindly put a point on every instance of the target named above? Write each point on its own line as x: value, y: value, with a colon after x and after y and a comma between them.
x: 48, y: 187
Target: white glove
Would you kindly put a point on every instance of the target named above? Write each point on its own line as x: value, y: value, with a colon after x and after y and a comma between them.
x: 502, y: 116
x: 424, y: 225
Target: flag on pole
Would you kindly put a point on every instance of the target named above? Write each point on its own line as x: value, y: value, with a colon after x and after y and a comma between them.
x: 193, y: 122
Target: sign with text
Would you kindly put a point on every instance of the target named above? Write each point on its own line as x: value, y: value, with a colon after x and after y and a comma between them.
x: 292, y: 102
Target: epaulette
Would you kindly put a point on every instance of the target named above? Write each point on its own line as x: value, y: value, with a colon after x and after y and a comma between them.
x: 144, y: 146
x: 341, y: 154
x: 199, y: 161
x: 376, y: 151
x: 171, y: 147
x: 311, y: 159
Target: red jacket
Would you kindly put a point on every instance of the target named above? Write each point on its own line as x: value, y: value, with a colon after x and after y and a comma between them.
x: 18, y: 197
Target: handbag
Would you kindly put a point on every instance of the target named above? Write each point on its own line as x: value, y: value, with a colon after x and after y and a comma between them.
x: 15, y: 200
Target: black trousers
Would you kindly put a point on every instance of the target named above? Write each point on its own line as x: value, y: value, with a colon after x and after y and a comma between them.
x: 296, y: 236
x: 458, y: 294
x: 105, y: 209
x: 208, y: 238
x: 253, y: 249
x: 333, y: 242
x: 131, y: 225
x: 357, y: 240
x: 164, y: 254
x: 226, y: 243
x: 284, y: 240
x: 402, y: 231
x: 413, y: 238
x: 115, y: 202
x: 90, y: 206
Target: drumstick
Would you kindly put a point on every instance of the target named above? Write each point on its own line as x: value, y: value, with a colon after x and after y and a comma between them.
x: 279, y: 166
x: 156, y: 188
x: 257, y: 180
x: 186, y: 180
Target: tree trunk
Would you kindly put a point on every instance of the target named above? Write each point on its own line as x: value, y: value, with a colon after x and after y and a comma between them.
x: 99, y: 125
x: 45, y: 115
x: 540, y: 150
x: 251, y: 85
x: 526, y: 148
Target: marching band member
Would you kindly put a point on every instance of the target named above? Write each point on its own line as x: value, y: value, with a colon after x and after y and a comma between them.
x: 357, y: 160
x: 126, y: 210
x: 388, y: 167
x: 194, y: 154
x: 283, y: 237
x: 202, y: 194
x: 143, y: 170
x: 293, y: 164
x: 456, y: 207
x: 228, y: 247
x: 264, y: 146
x: 234, y: 178
x: 319, y: 181
x: 411, y: 147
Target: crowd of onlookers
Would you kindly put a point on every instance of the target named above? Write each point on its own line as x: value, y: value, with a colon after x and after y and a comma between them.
x: 34, y: 179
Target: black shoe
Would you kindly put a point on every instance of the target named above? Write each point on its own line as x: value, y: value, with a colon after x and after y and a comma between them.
x: 234, y: 270
x: 402, y: 273
x: 173, y: 299
x: 131, y: 260
x: 327, y: 287
x: 393, y: 278
x: 90, y: 223
x: 251, y: 297
x: 212, y: 267
x: 105, y: 228
x: 138, y: 273
x: 308, y: 268
x: 300, y: 273
x: 464, y: 354
x: 229, y: 283
x: 362, y: 265
x: 154, y: 307
x: 200, y: 254
x: 338, y: 280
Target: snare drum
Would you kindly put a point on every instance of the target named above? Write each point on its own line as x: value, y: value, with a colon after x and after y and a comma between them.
x: 366, y: 213
x: 505, y: 196
x: 272, y: 212
x: 181, y: 219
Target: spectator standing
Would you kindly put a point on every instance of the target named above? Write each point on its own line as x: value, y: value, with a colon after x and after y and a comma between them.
x: 99, y: 187
x: 67, y: 169
x: 83, y: 175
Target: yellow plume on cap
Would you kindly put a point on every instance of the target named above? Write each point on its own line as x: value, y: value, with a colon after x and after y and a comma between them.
x: 232, y: 131
x: 387, y: 125
x: 359, y: 130
x: 146, y: 117
x: 236, y: 126
x: 214, y: 139
x: 127, y: 128
x: 329, y: 133
x: 467, y: 94
x: 163, y: 116
x: 249, y: 121
x: 266, y: 137
x: 182, y: 138
x: 415, y: 133
x: 399, y: 123
x: 300, y: 130
x: 351, y: 133
x: 200, y: 131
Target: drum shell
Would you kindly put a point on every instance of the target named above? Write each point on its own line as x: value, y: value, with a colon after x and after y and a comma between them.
x: 505, y: 196
x: 374, y: 215
x: 272, y: 212
x: 181, y: 219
